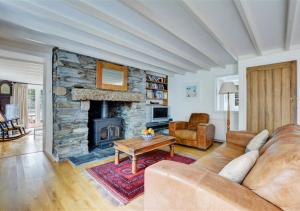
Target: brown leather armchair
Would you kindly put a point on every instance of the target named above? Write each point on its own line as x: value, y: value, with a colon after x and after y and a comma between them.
x: 195, y: 133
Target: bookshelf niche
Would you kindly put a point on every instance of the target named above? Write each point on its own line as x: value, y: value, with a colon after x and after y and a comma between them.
x: 156, y: 89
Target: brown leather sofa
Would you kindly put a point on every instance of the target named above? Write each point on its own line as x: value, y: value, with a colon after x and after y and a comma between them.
x: 195, y: 133
x: 272, y: 184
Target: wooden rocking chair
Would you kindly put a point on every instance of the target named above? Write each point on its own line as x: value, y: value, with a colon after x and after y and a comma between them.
x: 10, y: 129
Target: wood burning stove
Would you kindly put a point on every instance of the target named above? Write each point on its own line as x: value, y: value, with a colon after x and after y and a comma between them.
x: 105, y: 130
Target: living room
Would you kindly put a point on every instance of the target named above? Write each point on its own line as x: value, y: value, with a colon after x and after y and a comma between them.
x: 150, y: 105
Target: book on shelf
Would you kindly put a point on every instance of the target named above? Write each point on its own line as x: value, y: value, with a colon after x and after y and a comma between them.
x: 155, y: 94
x: 157, y: 79
x: 149, y: 94
x: 165, y: 95
x: 155, y: 86
x: 161, y: 86
x: 159, y: 95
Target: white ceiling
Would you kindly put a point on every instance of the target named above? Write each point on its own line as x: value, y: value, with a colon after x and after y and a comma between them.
x: 169, y: 36
x: 21, y: 71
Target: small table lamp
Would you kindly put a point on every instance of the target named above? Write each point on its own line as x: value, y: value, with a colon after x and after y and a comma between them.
x: 228, y: 88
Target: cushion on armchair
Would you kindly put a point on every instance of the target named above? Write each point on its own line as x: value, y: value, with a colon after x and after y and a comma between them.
x: 186, y: 134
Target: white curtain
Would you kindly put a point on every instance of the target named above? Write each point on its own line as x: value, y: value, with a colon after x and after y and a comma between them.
x: 19, y: 98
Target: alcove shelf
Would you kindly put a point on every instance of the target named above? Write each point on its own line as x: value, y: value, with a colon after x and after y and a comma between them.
x: 156, y: 89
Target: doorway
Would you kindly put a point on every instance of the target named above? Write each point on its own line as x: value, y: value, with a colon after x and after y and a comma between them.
x: 271, y: 96
x: 24, y: 102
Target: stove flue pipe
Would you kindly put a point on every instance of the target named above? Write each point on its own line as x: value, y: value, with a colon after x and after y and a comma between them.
x: 104, y: 110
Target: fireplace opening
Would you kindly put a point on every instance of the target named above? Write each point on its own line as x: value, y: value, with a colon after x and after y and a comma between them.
x: 104, y: 126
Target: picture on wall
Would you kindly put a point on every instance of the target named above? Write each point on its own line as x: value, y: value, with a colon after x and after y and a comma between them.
x: 191, y: 91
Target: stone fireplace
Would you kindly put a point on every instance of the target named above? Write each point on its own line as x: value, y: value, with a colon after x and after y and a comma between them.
x: 81, y: 119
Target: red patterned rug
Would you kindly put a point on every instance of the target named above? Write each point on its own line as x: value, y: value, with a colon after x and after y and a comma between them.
x: 121, y: 183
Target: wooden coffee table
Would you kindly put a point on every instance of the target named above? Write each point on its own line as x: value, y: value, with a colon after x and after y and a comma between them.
x: 137, y: 146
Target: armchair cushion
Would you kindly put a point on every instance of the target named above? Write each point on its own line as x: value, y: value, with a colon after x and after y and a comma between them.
x: 197, y: 118
x: 186, y: 134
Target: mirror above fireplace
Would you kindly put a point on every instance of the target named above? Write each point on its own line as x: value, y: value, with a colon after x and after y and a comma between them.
x: 111, y: 76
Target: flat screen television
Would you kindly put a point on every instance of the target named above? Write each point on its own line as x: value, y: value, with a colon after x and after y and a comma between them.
x: 160, y: 113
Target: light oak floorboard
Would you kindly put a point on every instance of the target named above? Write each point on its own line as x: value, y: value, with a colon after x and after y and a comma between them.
x: 33, y: 182
x: 24, y: 145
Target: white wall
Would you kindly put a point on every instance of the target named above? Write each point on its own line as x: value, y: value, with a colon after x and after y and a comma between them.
x: 47, y: 107
x: 181, y: 107
x: 263, y: 60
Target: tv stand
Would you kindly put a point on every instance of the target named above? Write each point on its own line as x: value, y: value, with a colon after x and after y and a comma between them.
x: 161, y: 127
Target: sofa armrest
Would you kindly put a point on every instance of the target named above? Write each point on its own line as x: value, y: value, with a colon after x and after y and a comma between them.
x: 175, y: 186
x: 240, y: 138
x: 177, y: 125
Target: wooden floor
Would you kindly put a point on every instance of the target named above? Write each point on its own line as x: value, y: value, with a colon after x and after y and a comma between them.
x: 32, y: 182
x: 27, y: 144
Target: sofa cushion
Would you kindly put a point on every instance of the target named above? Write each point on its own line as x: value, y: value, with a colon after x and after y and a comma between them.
x: 216, y: 160
x: 276, y: 174
x: 257, y: 141
x: 285, y: 129
x: 197, y: 118
x: 279, y: 133
x: 186, y: 134
x: 238, y: 168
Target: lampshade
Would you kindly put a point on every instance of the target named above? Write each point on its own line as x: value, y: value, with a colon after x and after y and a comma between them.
x: 228, y: 87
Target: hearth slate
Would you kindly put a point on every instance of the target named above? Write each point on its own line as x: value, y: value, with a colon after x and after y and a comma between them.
x: 95, y: 155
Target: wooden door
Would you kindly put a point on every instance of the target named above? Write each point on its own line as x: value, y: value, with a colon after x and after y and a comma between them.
x: 271, y: 96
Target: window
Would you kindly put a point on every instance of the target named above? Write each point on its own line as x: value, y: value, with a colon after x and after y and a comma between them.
x: 221, y: 100
x: 31, y: 106
x: 41, y: 105
x: 34, y: 102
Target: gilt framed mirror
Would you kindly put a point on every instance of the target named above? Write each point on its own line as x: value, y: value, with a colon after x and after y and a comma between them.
x: 111, y: 76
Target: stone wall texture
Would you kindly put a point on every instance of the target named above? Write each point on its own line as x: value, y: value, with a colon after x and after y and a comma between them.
x: 70, y: 117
